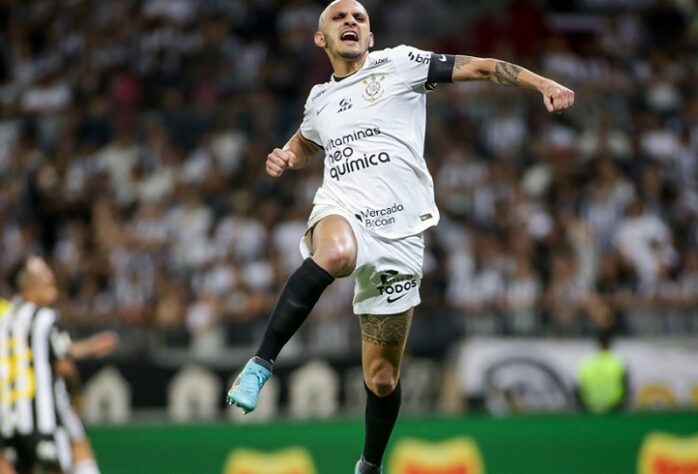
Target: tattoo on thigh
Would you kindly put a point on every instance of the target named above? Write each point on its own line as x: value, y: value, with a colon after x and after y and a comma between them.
x: 385, y: 330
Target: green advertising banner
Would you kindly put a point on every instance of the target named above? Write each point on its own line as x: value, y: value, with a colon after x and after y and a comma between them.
x: 545, y: 444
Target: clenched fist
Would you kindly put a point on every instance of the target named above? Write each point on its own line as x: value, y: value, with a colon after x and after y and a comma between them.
x: 278, y: 160
x: 556, y: 97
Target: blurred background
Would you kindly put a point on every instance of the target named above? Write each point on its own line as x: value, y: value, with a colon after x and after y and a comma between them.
x: 133, y: 136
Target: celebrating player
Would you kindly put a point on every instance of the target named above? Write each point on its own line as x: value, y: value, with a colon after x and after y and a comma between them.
x: 375, y: 201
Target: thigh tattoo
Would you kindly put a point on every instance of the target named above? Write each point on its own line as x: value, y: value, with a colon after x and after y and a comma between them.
x: 386, y: 330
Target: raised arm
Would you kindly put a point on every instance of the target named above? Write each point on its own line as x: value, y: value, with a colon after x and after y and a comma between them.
x: 556, y: 97
x: 296, y: 153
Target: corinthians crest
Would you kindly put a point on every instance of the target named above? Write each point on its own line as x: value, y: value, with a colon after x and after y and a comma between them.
x: 374, y: 90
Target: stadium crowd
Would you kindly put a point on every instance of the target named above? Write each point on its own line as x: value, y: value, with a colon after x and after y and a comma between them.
x: 133, y: 136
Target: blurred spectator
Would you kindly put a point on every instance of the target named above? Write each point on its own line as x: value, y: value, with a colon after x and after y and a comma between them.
x: 645, y: 241
x: 602, y: 379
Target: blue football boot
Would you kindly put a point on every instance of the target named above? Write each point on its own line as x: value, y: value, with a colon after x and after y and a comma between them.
x: 245, y: 390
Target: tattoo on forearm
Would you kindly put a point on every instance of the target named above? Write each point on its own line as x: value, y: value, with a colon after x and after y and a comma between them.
x: 385, y: 330
x: 461, y: 61
x: 506, y: 73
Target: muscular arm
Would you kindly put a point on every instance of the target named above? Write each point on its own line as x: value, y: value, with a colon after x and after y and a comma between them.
x: 469, y: 68
x: 296, y: 153
x: 302, y: 148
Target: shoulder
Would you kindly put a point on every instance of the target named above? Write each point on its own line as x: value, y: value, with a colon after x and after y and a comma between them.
x: 316, y: 93
x: 46, y: 315
x: 379, y: 58
x: 4, y: 306
x: 403, y: 52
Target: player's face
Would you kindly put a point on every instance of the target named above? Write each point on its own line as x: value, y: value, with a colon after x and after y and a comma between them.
x: 345, y: 30
x: 44, y: 283
x: 48, y: 289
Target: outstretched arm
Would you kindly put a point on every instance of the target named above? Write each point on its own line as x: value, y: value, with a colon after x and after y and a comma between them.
x: 99, y: 345
x: 469, y: 68
x: 296, y: 153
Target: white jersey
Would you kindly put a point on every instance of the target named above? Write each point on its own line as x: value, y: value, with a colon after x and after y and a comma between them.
x: 371, y: 125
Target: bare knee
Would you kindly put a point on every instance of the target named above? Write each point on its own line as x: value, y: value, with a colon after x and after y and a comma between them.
x: 339, y: 259
x: 382, y: 382
x: 334, y: 246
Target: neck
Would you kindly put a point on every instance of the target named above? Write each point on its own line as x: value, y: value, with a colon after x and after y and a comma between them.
x: 31, y: 297
x: 28, y: 298
x: 344, y: 67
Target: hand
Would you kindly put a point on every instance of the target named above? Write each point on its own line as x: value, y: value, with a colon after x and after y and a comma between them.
x: 556, y: 97
x: 104, y: 343
x: 100, y: 345
x: 278, y: 160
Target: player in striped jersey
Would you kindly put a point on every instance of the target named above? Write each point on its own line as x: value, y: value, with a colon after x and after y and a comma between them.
x: 5, y: 466
x: 37, y: 422
x: 32, y: 352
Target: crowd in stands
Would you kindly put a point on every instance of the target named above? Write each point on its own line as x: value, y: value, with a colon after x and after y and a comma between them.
x: 133, y: 136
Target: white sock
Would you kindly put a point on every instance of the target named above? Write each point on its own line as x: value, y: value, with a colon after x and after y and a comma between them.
x: 88, y: 466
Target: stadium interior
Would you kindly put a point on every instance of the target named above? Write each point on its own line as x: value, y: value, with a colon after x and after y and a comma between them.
x: 132, y: 143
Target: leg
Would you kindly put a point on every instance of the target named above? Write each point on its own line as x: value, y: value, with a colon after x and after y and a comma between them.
x: 45, y: 454
x: 334, y: 246
x: 84, y: 457
x: 334, y: 255
x: 383, y: 345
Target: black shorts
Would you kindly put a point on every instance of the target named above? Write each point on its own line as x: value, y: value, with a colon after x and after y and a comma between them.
x: 46, y: 452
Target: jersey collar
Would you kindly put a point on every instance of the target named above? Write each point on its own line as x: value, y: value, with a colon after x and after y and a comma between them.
x: 334, y: 78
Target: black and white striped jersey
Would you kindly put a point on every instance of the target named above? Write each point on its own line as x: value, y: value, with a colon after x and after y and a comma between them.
x: 30, y: 342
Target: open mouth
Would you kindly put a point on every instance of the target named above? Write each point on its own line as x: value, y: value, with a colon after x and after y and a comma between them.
x: 349, y: 35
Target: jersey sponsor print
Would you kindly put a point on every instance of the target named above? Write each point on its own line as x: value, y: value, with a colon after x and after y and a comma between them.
x: 371, y: 126
x: 396, y: 286
x: 379, y: 217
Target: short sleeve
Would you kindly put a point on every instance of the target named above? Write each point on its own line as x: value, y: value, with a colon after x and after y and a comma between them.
x: 59, y: 342
x: 308, y: 126
x: 412, y: 66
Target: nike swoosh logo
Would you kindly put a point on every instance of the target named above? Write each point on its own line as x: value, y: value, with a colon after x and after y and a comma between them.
x: 321, y: 109
x: 442, y: 58
x: 393, y: 300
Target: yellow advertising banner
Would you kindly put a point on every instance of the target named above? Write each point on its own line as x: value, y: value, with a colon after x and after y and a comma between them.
x: 668, y: 454
x: 288, y: 461
x: 455, y: 456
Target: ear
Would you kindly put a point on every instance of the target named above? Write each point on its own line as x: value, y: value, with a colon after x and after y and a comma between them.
x: 370, y: 40
x: 319, y: 39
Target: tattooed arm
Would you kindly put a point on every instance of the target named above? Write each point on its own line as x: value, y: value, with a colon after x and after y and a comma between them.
x: 469, y: 68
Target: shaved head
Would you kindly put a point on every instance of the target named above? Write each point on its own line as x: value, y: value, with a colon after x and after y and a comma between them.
x: 344, y: 32
x: 31, y: 272
x: 322, y: 20
x: 37, y: 282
